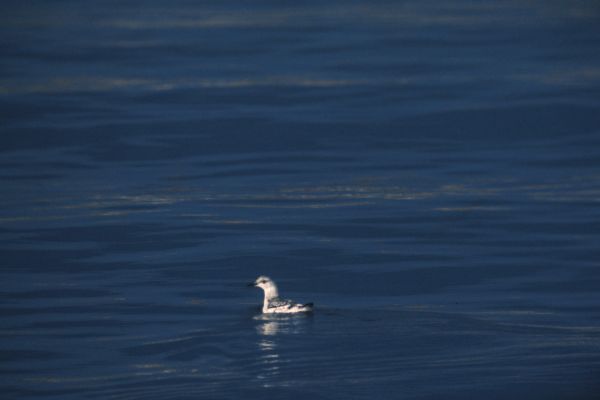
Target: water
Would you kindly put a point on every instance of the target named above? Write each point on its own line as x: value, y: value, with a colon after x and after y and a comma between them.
x: 428, y: 174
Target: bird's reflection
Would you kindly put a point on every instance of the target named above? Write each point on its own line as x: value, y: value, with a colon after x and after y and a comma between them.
x: 278, y: 325
x: 270, y: 329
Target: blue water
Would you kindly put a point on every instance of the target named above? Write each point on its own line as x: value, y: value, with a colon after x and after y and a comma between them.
x: 427, y: 173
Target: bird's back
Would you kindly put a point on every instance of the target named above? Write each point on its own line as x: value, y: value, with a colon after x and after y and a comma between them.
x: 279, y: 305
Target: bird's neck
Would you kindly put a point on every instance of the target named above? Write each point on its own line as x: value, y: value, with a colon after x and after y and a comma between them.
x: 271, y: 292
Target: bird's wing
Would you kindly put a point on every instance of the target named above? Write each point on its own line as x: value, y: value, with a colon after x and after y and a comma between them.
x: 277, y: 302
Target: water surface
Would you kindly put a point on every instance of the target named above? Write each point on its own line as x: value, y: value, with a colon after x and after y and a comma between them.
x: 428, y: 174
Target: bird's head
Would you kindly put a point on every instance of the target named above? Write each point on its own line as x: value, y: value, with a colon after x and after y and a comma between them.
x: 266, y: 284
x: 262, y: 282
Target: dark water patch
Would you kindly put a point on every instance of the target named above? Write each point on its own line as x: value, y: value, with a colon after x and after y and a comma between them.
x: 406, y: 166
x: 31, y: 139
x: 27, y: 355
x: 134, y: 55
x: 305, y: 261
x: 16, y: 371
x: 67, y: 325
x: 517, y: 123
x: 344, y: 257
x: 60, y: 165
x: 462, y: 216
x: 36, y: 107
x: 240, y: 173
x: 425, y: 279
x: 574, y: 255
x: 459, y: 39
x: 271, y: 159
x: 564, y: 286
x: 208, y: 137
x: 334, y: 48
x: 259, y: 93
x: 35, y: 260
x: 55, y: 293
x: 519, y: 245
x: 572, y: 162
x: 396, y: 69
x: 554, y: 228
x: 19, y: 392
x: 130, y: 207
x: 29, y: 177
x: 113, y: 309
x: 387, y: 232
x: 243, y: 136
x: 126, y: 238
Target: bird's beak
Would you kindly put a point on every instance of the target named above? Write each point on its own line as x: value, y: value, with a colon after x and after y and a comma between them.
x: 251, y: 284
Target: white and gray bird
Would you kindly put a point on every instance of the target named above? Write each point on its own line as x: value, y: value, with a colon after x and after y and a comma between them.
x: 275, y: 304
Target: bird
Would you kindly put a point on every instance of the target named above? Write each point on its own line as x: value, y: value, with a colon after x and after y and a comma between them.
x: 273, y: 303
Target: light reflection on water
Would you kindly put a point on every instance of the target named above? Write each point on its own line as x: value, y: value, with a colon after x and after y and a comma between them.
x: 577, y: 189
x: 271, y: 329
x: 273, y: 325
